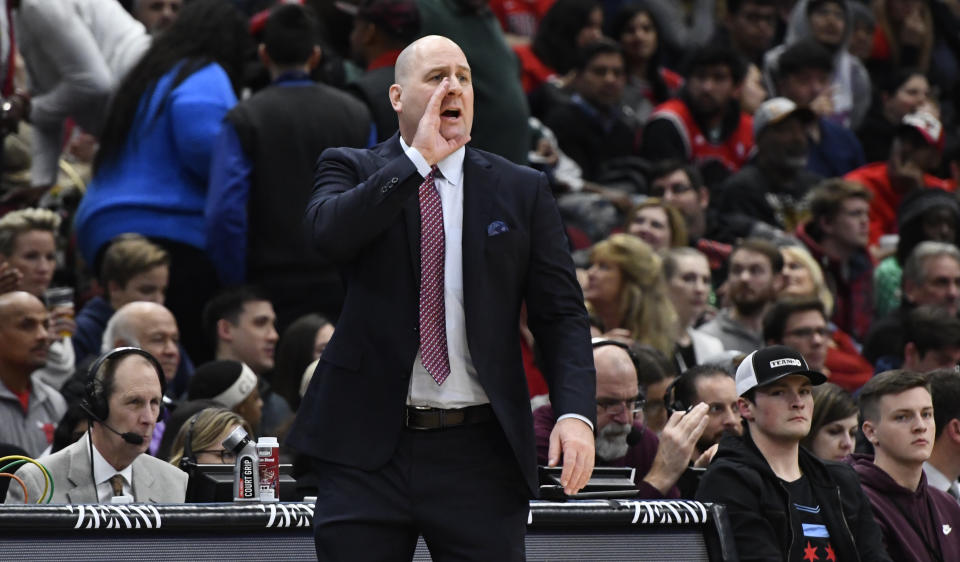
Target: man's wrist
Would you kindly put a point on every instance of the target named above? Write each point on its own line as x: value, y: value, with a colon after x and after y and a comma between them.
x: 659, y: 481
x: 579, y: 417
x: 423, y: 167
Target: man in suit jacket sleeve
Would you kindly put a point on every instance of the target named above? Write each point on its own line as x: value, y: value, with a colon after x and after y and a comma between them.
x: 373, y: 420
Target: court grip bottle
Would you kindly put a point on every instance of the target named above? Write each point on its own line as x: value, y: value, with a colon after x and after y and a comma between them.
x: 246, y: 471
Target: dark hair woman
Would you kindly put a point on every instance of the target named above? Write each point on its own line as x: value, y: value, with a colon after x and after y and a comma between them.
x: 301, y: 344
x: 649, y: 83
x: 833, y: 429
x: 566, y: 27
x: 152, y: 169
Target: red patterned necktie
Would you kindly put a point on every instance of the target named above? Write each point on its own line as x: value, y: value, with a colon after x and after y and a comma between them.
x: 433, y: 325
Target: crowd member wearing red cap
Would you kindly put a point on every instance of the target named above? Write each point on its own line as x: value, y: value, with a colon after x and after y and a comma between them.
x: 783, y: 502
x: 915, y: 153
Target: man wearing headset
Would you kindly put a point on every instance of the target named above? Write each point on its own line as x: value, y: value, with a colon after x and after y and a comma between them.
x: 713, y: 385
x: 123, y: 399
x: 622, y: 439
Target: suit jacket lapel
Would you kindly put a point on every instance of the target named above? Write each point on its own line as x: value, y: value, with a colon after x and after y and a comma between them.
x: 479, y: 185
x: 411, y: 216
x: 480, y: 182
x: 80, y: 474
x: 142, y: 485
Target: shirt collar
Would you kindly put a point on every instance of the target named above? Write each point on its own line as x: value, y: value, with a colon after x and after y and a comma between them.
x: 103, y: 470
x: 292, y: 77
x: 451, y: 167
x: 935, y: 478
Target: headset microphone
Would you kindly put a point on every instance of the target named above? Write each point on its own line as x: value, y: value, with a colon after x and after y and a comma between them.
x: 129, y: 437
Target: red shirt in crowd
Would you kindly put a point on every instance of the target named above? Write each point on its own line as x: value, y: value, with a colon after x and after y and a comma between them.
x: 886, y: 198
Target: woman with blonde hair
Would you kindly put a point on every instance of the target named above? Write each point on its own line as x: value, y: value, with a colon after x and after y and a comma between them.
x: 804, y: 278
x: 658, y: 223
x: 687, y: 273
x: 627, y: 292
x: 28, y: 259
x: 207, y: 429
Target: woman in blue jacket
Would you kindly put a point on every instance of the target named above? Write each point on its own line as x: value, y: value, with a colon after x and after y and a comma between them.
x: 152, y: 168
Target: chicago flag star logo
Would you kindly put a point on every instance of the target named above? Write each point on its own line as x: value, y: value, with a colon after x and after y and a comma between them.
x: 810, y: 553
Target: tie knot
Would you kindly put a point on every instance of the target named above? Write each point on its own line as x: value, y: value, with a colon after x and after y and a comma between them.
x: 435, y: 172
x: 116, y: 482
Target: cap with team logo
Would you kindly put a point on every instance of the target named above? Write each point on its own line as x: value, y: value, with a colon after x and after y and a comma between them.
x: 927, y: 125
x: 770, y: 364
x: 775, y: 110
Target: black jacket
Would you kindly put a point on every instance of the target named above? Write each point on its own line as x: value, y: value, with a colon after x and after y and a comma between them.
x: 283, y: 129
x: 758, y: 503
x: 364, y: 215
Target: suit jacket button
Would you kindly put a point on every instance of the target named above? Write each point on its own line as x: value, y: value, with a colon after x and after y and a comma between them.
x: 385, y: 189
x: 394, y: 180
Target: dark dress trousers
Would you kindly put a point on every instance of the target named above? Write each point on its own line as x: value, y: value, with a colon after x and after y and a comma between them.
x: 364, y: 215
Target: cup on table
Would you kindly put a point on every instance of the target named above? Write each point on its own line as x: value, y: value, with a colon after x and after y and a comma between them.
x: 60, y: 302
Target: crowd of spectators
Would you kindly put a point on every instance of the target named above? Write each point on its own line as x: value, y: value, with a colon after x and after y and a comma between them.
x: 732, y: 175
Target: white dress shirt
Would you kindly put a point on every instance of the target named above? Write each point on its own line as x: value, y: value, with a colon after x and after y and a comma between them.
x: 103, y: 471
x: 938, y: 480
x: 462, y: 388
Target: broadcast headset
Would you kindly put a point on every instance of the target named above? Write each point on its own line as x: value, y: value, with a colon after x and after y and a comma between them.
x: 96, y: 405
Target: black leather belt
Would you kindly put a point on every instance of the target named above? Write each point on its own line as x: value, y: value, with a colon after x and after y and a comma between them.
x: 424, y: 418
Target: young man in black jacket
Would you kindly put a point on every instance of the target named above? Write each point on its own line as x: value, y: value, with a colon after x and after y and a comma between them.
x: 784, y: 503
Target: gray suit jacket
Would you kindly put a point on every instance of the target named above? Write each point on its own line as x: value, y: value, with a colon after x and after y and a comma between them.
x: 154, y: 481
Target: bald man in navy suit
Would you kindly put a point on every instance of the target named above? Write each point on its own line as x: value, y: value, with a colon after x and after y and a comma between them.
x: 418, y: 419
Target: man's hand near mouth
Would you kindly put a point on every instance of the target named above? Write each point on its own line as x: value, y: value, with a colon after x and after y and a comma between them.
x: 428, y: 140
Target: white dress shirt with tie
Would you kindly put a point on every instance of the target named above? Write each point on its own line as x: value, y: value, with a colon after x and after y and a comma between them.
x: 462, y: 388
x: 103, y: 471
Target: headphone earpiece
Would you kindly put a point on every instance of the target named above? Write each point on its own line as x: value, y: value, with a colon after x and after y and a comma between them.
x: 672, y: 402
x: 600, y: 342
x: 94, y: 401
x: 187, y: 461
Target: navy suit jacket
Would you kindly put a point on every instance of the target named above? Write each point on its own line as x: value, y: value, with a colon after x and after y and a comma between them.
x: 364, y: 215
